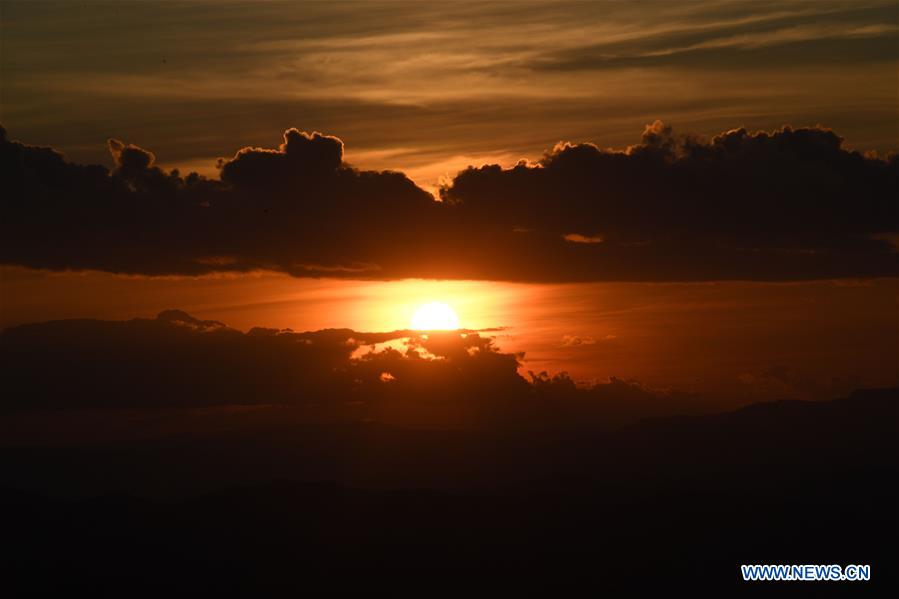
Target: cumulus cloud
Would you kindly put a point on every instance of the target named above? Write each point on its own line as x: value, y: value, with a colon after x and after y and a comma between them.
x: 301, y: 155
x: 791, y: 204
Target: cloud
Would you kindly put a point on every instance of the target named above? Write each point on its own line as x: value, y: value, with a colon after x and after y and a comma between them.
x: 578, y: 238
x: 352, y: 73
x: 177, y: 361
x: 792, y: 204
x: 575, y: 340
x: 750, y: 40
x: 782, y: 205
x: 301, y: 156
x: 578, y: 340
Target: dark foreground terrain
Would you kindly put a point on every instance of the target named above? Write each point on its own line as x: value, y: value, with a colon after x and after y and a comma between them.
x: 259, y: 501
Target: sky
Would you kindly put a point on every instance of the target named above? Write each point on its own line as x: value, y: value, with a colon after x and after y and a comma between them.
x: 693, y: 195
x: 430, y: 88
x: 504, y: 293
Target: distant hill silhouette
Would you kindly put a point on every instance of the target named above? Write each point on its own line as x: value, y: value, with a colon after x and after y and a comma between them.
x: 680, y: 501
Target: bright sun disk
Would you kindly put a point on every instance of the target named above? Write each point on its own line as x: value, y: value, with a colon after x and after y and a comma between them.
x: 435, y: 316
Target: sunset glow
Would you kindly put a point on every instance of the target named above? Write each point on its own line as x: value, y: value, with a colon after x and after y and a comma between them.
x: 435, y: 316
x: 448, y: 295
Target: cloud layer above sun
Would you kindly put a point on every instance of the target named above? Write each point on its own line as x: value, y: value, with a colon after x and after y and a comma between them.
x: 792, y: 204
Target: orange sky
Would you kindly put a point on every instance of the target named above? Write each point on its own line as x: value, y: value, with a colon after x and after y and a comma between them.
x: 430, y: 88
x: 729, y: 338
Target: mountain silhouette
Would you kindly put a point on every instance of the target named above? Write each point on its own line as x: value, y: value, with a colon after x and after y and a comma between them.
x: 264, y: 504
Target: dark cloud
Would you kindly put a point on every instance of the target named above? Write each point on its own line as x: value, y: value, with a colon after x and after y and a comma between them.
x: 785, y: 205
x: 792, y: 204
x: 300, y: 156
x: 175, y: 361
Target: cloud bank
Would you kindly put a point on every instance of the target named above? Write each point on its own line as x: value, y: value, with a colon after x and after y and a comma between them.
x: 792, y: 204
x: 443, y: 379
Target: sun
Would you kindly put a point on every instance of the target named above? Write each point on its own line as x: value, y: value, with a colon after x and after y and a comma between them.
x: 435, y: 316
